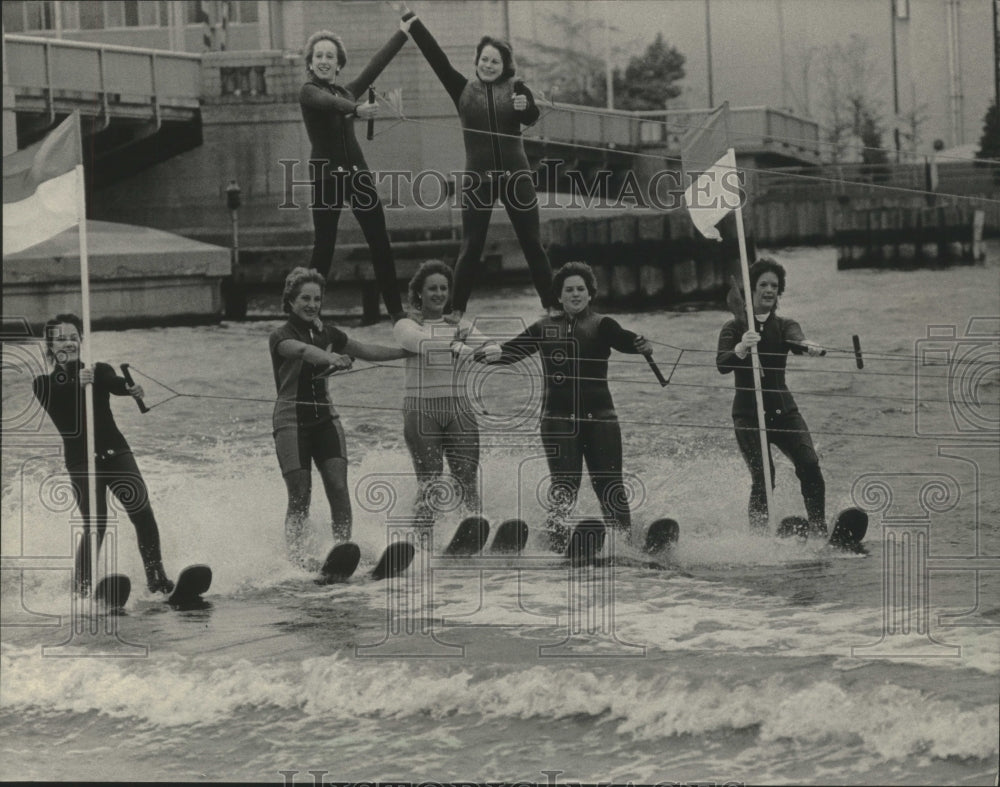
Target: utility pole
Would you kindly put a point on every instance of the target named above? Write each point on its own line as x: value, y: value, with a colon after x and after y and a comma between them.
x: 708, y: 50
x: 996, y: 53
x: 895, y: 77
x: 609, y: 77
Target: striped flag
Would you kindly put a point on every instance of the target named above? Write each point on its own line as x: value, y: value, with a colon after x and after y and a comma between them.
x: 710, y: 163
x: 42, y: 188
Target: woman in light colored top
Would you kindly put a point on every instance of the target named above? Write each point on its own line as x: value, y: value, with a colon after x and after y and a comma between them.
x: 438, y: 420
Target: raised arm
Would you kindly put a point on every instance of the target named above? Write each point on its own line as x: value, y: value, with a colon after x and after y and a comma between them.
x: 454, y: 81
x: 377, y: 64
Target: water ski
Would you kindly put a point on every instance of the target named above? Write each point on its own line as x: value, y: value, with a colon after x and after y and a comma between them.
x: 192, y: 582
x: 470, y: 537
x: 113, y: 591
x: 512, y: 535
x: 849, y: 530
x: 339, y: 564
x: 585, y: 542
x: 661, y: 535
x: 394, y: 561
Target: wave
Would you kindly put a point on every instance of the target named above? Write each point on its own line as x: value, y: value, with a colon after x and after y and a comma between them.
x: 890, y: 721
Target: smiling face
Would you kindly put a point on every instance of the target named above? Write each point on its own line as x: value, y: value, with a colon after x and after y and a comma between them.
x: 434, y: 295
x: 489, y: 66
x: 65, y: 343
x: 574, y: 295
x: 765, y: 293
x: 307, y: 303
x: 324, y: 60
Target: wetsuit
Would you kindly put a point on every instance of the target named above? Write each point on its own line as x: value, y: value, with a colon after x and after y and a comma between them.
x: 342, y: 175
x: 62, y: 396
x: 785, y: 426
x: 438, y: 420
x: 578, y: 420
x: 495, y: 166
x: 306, y: 425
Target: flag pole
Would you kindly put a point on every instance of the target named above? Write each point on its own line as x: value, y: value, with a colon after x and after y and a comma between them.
x: 85, y: 354
x: 754, y: 357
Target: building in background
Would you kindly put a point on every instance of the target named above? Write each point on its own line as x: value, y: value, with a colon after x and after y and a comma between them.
x: 931, y: 58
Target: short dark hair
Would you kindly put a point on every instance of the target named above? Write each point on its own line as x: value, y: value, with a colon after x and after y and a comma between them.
x: 294, y: 282
x: 580, y: 269
x: 506, y: 54
x: 765, y: 265
x: 427, y: 269
x: 49, y: 330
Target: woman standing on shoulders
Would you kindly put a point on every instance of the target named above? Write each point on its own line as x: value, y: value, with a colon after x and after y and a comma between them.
x: 578, y: 422
x: 341, y: 174
x: 492, y: 107
x: 61, y: 393
x: 307, y: 428
x: 438, y: 420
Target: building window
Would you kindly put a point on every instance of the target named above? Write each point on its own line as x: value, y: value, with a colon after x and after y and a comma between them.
x: 91, y: 16
x: 40, y: 15
x: 246, y: 11
x: 114, y: 15
x: 243, y: 11
x: 243, y: 81
x: 22, y: 16
x: 13, y: 16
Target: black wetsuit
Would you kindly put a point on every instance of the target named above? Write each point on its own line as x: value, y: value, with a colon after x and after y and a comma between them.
x: 342, y: 175
x: 785, y: 426
x: 495, y: 166
x: 62, y: 396
x: 578, y: 419
x: 307, y: 428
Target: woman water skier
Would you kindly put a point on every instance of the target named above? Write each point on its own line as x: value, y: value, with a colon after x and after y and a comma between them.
x: 439, y: 422
x: 341, y: 175
x: 578, y: 420
x: 61, y: 393
x: 774, y: 338
x: 492, y: 107
x: 307, y: 428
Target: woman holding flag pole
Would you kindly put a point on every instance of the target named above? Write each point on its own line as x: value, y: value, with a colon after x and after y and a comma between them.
x: 771, y: 338
x: 754, y: 345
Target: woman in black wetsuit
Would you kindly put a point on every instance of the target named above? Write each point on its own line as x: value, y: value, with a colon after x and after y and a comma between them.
x: 774, y: 338
x: 341, y: 174
x: 492, y: 107
x: 307, y: 428
x: 61, y: 393
x: 578, y: 421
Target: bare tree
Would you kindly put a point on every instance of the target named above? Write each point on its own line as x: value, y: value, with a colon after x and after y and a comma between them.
x: 850, y: 86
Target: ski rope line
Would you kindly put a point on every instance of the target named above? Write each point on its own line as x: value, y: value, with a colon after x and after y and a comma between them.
x: 667, y: 424
x: 676, y: 159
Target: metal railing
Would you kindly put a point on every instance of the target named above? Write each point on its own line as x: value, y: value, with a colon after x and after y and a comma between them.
x: 101, y: 74
x: 751, y: 129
